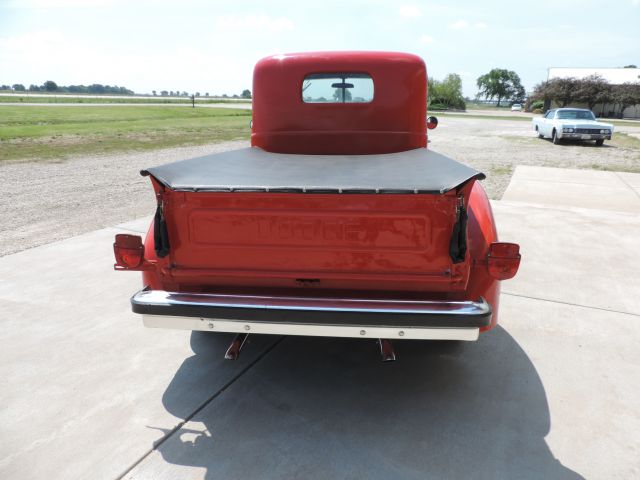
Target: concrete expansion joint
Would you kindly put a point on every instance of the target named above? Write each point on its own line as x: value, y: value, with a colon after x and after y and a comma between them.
x: 627, y: 184
x: 202, y: 406
x: 590, y: 307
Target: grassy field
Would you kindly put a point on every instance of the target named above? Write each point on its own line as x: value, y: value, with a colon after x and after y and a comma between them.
x: 46, y: 133
x: 627, y: 142
x: 524, y: 118
x: 505, y: 107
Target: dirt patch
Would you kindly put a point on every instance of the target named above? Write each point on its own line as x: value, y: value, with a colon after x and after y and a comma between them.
x: 45, y: 201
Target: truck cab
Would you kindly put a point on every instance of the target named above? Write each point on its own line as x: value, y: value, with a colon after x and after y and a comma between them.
x: 340, y: 103
x: 337, y: 221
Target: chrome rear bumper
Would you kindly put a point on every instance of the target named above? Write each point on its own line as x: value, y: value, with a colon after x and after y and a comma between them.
x: 339, y: 317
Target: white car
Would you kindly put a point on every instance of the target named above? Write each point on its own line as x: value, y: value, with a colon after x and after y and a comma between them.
x: 572, y: 124
x: 516, y: 107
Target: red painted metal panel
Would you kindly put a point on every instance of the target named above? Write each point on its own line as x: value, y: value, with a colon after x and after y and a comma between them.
x: 394, y: 121
x: 354, y: 241
x: 481, y: 234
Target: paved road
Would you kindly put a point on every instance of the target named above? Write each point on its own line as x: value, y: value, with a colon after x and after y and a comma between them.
x: 89, y: 393
x: 242, y: 106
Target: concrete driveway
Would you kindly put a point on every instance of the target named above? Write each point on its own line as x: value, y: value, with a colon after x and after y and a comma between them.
x: 553, y: 392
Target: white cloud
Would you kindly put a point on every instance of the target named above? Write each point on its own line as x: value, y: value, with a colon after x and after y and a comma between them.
x: 426, y: 39
x: 463, y: 24
x: 32, y: 41
x: 459, y: 25
x: 254, y: 22
x: 409, y: 11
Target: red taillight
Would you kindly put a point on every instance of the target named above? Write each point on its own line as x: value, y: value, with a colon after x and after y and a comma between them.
x: 129, y: 251
x: 503, y: 260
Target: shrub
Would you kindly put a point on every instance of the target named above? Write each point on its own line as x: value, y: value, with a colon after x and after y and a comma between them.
x: 438, y: 107
x: 537, y: 105
x: 537, y: 110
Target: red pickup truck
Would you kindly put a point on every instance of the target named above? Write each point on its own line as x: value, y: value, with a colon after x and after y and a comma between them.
x: 337, y: 221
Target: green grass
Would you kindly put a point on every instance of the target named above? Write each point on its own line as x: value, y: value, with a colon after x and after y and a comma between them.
x: 614, y: 168
x: 625, y: 141
x: 486, y: 117
x: 46, y: 133
x: 100, y: 100
x: 483, y: 106
x: 501, y: 170
x: 628, y: 123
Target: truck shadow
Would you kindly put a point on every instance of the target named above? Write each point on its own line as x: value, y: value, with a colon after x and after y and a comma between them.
x: 328, y: 408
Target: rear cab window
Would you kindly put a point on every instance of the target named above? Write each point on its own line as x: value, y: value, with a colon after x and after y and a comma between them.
x: 337, y: 88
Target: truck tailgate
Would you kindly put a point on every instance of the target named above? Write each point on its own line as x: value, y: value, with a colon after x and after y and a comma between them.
x: 253, y: 218
x: 314, y: 240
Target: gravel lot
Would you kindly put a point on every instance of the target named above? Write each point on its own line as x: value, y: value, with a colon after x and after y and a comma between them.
x: 44, y: 202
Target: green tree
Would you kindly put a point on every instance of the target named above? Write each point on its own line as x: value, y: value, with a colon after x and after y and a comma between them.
x: 97, y: 88
x: 563, y: 90
x: 50, y: 86
x: 246, y: 93
x: 18, y: 87
x: 592, y: 89
x: 446, y: 93
x: 501, y: 84
x: 337, y: 95
x: 626, y: 95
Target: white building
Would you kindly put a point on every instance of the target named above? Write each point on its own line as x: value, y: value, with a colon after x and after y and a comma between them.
x: 615, y: 76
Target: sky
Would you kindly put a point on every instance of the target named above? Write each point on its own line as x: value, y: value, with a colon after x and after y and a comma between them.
x: 211, y: 46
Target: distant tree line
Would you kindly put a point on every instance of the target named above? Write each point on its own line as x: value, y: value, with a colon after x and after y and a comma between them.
x: 591, y: 90
x: 96, y: 88
x: 52, y: 87
x: 499, y: 84
x: 171, y: 93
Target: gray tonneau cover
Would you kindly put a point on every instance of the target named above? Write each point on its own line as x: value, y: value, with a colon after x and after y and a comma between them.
x: 253, y: 169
